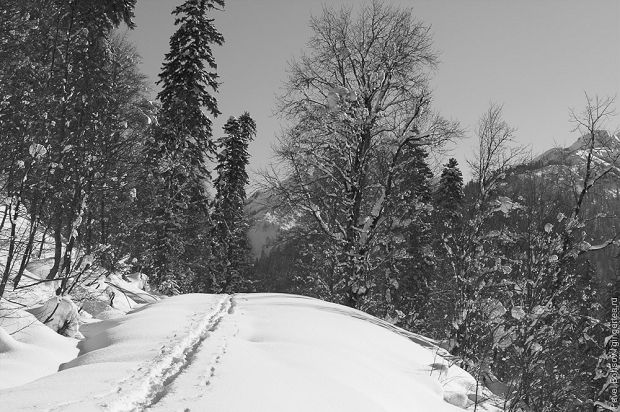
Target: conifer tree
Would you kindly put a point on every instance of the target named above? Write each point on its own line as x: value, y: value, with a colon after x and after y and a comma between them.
x: 447, y: 222
x: 232, y: 251
x: 449, y: 194
x: 180, y: 147
x: 412, y: 223
x: 185, y: 85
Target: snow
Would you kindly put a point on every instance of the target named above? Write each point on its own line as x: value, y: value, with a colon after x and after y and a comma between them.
x: 59, y: 314
x: 29, y: 350
x: 247, y: 352
x: 211, y: 352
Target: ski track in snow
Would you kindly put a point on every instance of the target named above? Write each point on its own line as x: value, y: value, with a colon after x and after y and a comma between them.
x: 148, y: 387
x: 190, y: 387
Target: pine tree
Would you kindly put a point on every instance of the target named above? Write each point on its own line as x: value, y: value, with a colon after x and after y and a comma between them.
x: 185, y: 88
x: 449, y: 194
x: 232, y: 250
x: 180, y: 147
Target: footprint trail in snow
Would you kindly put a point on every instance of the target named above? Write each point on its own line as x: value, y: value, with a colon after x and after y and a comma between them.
x: 192, y: 357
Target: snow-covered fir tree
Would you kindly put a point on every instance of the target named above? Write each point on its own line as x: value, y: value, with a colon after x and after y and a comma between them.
x: 180, y: 147
x: 231, y: 251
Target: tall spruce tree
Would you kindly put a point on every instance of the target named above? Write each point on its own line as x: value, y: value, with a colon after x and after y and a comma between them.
x: 230, y: 226
x: 180, y: 148
x: 409, y: 293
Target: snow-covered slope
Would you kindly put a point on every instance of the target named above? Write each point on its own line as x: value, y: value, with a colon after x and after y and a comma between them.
x: 260, y: 352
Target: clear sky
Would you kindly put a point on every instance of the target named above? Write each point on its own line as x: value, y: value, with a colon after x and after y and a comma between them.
x: 536, y: 57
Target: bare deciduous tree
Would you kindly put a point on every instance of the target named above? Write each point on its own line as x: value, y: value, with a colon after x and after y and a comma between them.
x: 600, y: 148
x: 356, y: 103
x: 497, y: 150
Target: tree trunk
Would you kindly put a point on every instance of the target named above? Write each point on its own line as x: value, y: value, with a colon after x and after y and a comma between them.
x: 6, y: 213
x: 66, y: 265
x: 43, y: 241
x: 11, y: 252
x: 26, y: 255
x: 57, y: 248
x: 29, y: 245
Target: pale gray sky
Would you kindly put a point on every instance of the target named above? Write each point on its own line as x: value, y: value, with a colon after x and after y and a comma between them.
x: 536, y: 57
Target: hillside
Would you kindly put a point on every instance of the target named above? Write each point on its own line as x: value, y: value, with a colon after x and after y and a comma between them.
x: 561, y: 171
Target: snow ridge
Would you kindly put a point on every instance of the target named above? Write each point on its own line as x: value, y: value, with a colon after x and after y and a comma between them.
x: 146, y: 387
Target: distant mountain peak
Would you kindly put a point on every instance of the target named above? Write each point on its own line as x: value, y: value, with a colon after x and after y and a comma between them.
x: 567, y: 155
x: 602, y: 138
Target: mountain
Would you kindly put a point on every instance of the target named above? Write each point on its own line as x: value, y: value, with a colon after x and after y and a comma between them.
x: 562, y: 172
x: 607, y: 150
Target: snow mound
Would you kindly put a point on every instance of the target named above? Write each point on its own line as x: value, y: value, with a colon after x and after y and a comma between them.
x: 30, y: 350
x: 61, y: 315
x: 250, y: 352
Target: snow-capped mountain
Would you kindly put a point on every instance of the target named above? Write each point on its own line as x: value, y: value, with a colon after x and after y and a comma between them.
x: 606, y: 150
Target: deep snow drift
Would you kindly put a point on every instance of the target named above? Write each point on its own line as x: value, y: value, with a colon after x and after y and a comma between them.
x: 259, y: 352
